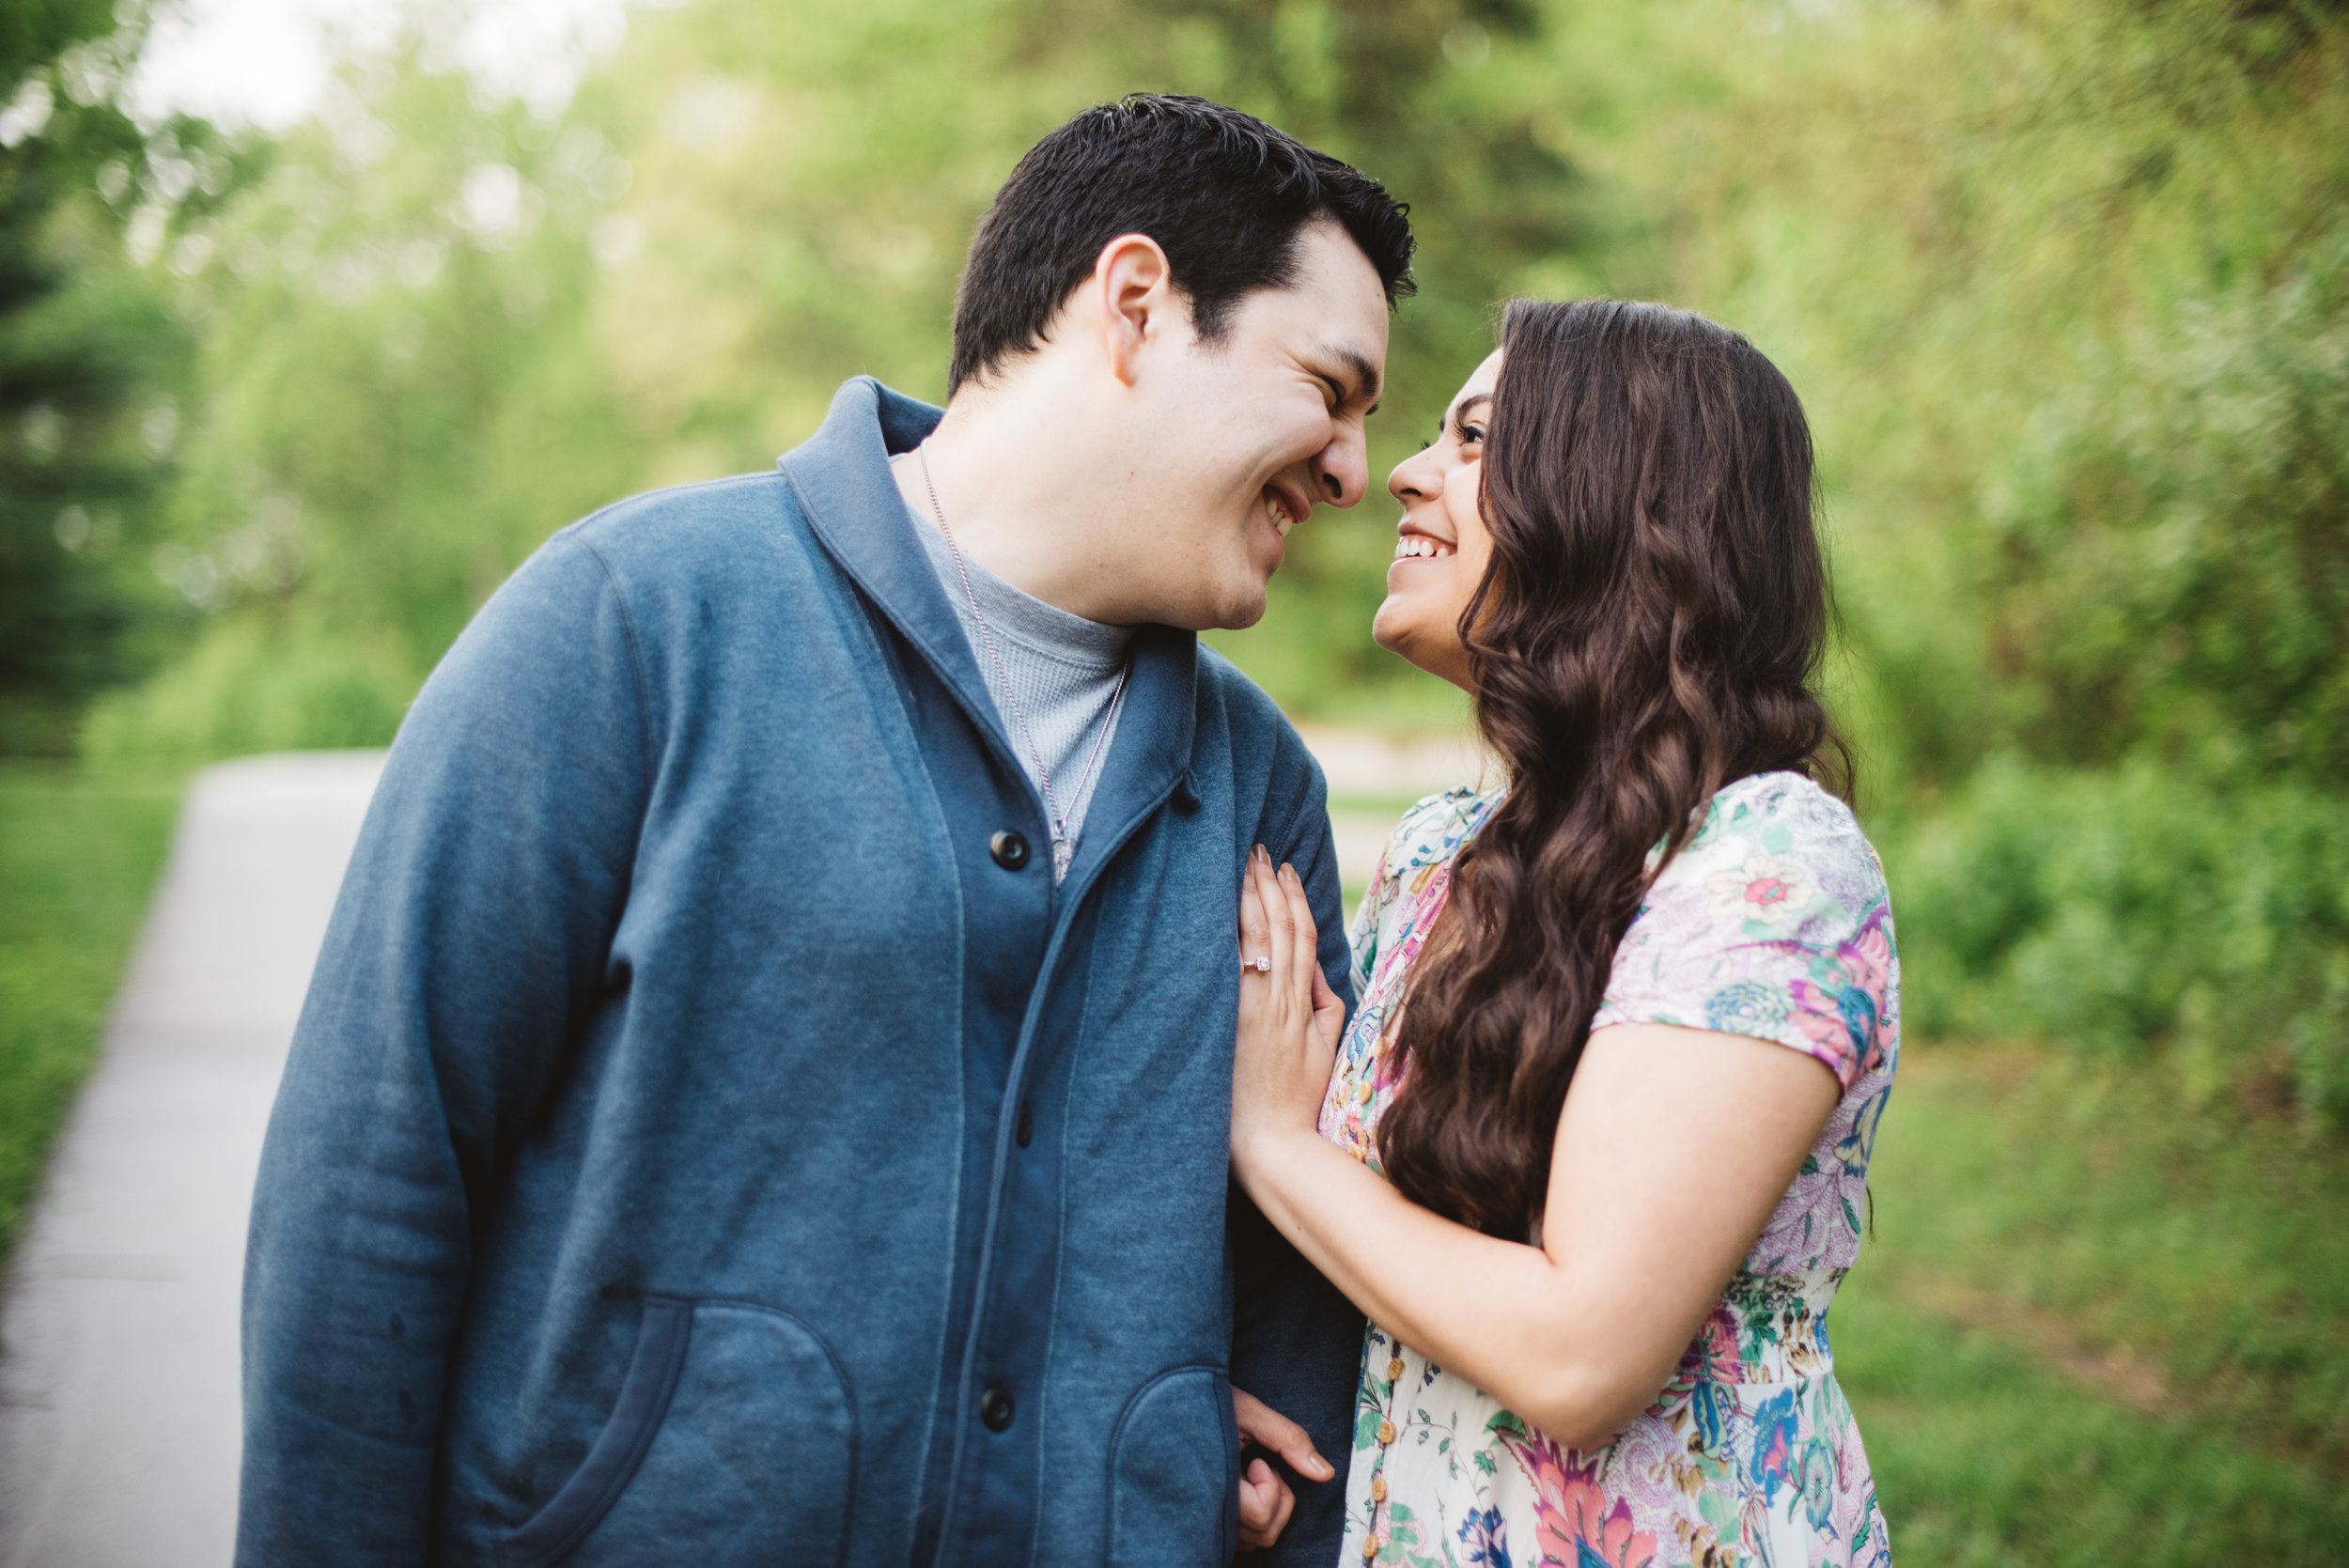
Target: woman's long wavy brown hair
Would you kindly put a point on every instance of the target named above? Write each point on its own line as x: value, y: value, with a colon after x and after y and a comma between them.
x: 1650, y: 629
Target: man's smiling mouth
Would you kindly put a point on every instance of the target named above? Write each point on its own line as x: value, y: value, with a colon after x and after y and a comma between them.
x: 1283, y: 509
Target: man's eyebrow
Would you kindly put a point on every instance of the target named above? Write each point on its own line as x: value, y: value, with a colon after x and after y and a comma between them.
x: 1363, y: 373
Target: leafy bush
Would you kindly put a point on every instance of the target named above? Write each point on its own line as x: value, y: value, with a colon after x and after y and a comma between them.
x: 2133, y: 911
x: 2172, y: 539
x: 2065, y: 286
x: 248, y: 686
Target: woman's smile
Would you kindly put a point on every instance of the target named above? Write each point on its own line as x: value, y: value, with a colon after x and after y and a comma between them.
x: 1439, y: 486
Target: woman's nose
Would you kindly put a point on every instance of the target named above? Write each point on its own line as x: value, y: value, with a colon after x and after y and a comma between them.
x: 1416, y: 478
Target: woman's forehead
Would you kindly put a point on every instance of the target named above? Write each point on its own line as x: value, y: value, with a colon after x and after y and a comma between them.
x: 1480, y: 379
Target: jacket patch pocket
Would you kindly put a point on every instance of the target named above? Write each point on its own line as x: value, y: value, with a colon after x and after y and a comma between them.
x: 732, y: 1445
x: 1175, y: 1473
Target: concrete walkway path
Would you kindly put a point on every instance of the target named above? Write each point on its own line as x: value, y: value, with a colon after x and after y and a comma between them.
x: 118, y: 1398
x: 119, y: 1410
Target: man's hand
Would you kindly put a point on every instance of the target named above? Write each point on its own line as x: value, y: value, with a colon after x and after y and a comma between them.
x: 1265, y: 1501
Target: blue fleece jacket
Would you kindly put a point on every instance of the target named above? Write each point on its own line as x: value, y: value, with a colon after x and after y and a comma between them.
x: 711, y: 1140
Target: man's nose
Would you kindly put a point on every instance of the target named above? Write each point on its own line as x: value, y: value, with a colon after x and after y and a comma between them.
x: 1341, y: 470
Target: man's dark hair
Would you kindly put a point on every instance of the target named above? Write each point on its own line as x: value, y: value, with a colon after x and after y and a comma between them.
x: 1224, y: 194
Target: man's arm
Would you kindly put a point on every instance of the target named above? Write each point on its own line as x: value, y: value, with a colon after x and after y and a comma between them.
x: 468, y: 946
x: 1297, y: 1341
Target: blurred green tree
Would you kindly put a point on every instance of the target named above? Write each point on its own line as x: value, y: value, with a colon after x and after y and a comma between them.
x: 2066, y: 285
x: 2062, y: 281
x: 445, y: 326
x: 89, y: 357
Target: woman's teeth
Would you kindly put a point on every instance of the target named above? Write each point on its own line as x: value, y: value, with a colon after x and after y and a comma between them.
x: 1411, y: 545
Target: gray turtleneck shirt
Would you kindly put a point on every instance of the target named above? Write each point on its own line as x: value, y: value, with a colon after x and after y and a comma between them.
x: 1056, y: 670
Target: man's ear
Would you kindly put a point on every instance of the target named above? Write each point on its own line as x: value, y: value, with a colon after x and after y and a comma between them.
x: 1133, y: 300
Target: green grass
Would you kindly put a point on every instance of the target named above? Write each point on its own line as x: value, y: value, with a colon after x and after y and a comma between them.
x: 2100, y: 1323
x: 78, y: 857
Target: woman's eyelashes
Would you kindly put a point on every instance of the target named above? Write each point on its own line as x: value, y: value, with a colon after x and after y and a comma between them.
x: 1461, y: 430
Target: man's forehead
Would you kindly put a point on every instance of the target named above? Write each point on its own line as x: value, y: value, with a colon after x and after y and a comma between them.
x: 1332, y: 272
x: 1334, y: 312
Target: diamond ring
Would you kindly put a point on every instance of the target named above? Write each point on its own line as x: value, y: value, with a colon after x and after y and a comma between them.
x: 1261, y: 965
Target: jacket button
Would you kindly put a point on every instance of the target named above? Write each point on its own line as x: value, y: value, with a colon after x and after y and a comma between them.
x: 995, y: 1409
x: 1009, y: 849
x: 1025, y: 1129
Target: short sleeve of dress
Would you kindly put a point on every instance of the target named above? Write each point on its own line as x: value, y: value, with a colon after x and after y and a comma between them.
x: 1773, y: 921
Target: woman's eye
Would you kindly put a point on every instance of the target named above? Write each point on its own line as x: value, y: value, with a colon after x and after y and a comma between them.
x: 1472, y: 435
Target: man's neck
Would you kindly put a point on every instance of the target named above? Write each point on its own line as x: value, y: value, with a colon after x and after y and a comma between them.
x: 1016, y: 499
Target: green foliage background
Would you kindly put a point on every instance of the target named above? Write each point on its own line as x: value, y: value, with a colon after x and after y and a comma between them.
x: 2065, y: 283
x: 92, y: 359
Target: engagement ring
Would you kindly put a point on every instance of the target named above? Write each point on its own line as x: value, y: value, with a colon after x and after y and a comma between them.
x: 1261, y: 965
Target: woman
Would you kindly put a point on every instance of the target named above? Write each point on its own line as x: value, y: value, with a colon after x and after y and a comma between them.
x: 1593, y: 1156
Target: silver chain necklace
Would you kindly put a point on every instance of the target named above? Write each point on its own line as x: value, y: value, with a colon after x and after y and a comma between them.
x: 1064, y: 851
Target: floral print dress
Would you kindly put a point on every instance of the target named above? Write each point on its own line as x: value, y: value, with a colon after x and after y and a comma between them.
x: 1773, y: 921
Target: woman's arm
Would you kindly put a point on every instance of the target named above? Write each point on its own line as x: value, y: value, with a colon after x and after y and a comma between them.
x: 1674, y: 1147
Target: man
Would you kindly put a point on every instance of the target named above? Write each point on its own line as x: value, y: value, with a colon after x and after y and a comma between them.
x: 763, y: 1098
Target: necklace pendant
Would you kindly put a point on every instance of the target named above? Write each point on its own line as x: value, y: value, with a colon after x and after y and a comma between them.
x: 1063, y: 852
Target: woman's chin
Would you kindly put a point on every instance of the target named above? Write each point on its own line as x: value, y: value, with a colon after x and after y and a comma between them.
x: 1428, y: 641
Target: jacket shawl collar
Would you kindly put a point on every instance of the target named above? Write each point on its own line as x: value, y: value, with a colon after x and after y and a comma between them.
x: 841, y: 478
